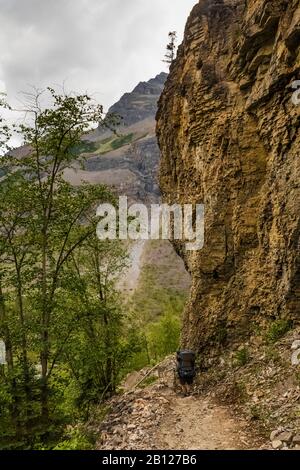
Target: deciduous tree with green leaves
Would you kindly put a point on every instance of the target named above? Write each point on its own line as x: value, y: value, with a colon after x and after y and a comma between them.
x: 44, y: 221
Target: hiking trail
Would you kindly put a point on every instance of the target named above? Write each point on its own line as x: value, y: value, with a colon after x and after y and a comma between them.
x: 157, y: 417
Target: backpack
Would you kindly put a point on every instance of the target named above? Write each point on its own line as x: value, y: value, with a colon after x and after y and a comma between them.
x: 186, y: 364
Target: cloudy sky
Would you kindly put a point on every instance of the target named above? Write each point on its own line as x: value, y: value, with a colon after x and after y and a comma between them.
x: 104, y: 47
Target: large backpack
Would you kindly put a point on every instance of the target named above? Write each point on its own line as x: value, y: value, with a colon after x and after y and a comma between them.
x: 186, y: 364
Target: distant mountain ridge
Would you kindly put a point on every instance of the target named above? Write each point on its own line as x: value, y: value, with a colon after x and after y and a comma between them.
x: 129, y: 160
x: 141, y: 103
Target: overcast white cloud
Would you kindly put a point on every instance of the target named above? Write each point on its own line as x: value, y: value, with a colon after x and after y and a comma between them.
x: 104, y: 47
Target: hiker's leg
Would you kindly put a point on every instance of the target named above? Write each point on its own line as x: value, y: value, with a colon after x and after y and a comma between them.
x: 182, y: 385
x: 189, y: 385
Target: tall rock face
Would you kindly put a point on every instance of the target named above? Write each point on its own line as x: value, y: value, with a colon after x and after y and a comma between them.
x: 228, y: 131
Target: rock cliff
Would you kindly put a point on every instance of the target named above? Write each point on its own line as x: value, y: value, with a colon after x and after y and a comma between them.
x: 228, y: 131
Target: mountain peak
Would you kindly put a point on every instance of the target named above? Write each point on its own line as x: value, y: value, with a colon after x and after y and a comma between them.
x: 141, y: 103
x: 153, y: 86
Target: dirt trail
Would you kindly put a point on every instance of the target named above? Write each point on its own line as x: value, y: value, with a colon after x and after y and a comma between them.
x: 198, y: 423
x: 157, y: 417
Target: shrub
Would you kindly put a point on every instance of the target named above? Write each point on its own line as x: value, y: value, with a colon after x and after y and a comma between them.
x: 278, y: 329
x: 242, y: 357
x: 76, y: 440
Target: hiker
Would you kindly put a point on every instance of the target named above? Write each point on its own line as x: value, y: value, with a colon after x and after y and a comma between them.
x: 186, y: 369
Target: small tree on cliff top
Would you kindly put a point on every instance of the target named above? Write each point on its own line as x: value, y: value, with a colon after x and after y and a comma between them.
x: 171, y: 48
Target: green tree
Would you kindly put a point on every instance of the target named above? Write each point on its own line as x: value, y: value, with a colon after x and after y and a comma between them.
x: 98, y: 343
x: 43, y: 222
x: 171, y: 48
x: 5, y: 132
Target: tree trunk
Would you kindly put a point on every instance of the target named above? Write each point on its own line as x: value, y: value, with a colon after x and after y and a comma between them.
x: 44, y: 356
x: 6, y: 333
x: 24, y: 350
x: 109, y: 369
x: 14, y: 407
x: 44, y: 364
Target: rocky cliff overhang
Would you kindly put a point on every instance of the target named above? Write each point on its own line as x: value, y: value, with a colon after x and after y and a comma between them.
x: 228, y: 131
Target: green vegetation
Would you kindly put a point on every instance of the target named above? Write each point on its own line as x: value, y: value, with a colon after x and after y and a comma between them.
x: 156, y: 311
x: 75, y: 439
x: 157, y: 339
x: 256, y: 412
x: 115, y: 142
x: 278, y: 329
x: 171, y: 48
x: 84, y: 147
x: 242, y: 357
x: 272, y: 353
x: 148, y: 381
x: 103, y: 146
x: 121, y: 141
x: 66, y: 336
x: 106, y: 145
x: 155, y: 296
x: 5, y: 131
